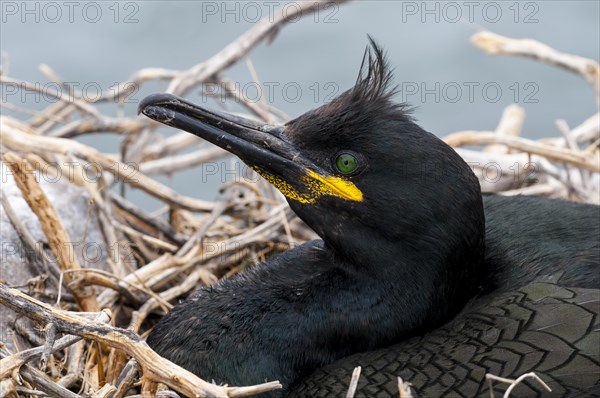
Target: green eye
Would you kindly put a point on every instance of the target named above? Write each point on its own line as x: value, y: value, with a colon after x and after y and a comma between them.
x: 346, y: 163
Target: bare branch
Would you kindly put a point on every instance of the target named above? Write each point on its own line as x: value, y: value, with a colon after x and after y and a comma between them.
x: 495, y: 44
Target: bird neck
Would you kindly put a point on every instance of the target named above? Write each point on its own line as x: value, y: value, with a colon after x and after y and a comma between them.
x: 430, y: 270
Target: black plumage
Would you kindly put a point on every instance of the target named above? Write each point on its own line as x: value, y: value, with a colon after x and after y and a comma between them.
x: 408, y: 242
x: 540, y: 327
x: 542, y: 315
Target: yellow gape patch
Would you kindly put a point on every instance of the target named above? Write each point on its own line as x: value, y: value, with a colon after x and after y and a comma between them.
x: 317, y: 185
x: 333, y: 186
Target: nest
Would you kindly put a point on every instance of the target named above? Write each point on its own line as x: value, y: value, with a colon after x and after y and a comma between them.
x: 91, y: 319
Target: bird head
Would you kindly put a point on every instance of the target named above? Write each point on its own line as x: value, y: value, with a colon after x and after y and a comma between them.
x: 358, y: 170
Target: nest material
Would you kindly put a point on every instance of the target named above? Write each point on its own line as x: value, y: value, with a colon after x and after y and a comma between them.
x: 152, y: 260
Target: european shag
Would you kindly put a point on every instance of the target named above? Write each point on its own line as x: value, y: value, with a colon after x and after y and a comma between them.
x: 411, y: 253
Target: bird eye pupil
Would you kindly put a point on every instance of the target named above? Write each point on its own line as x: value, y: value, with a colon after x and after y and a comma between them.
x: 346, y: 163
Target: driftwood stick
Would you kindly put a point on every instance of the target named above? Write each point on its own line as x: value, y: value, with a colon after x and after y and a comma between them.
x: 126, y: 378
x: 353, y: 382
x: 98, y: 191
x: 81, y: 105
x: 124, y: 286
x: 50, y: 333
x: 140, y: 277
x: 584, y: 133
x: 404, y: 389
x: 263, y: 30
x: 572, y: 144
x: 58, y: 239
x: 513, y: 383
x: 589, y: 130
x: 53, y: 76
x: 39, y: 258
x: 8, y: 388
x: 61, y: 115
x: 152, y: 241
x: 238, y: 392
x: 510, y: 161
x: 92, y: 276
x: 105, y: 124
x: 170, y: 145
x: 50, y: 113
x: 9, y: 363
x: 43, y: 382
x: 564, y: 155
x: 161, y: 226
x: 187, y: 285
x: 198, y: 237
x: 155, y: 368
x: 237, y: 243
x: 172, y: 164
x: 510, y: 124
x: 133, y: 83
x: 228, y: 89
x: 105, y: 392
x: 74, y: 364
x: 28, y: 391
x: 495, y: 44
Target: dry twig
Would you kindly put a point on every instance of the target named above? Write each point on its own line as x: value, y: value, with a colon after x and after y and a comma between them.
x: 155, y: 369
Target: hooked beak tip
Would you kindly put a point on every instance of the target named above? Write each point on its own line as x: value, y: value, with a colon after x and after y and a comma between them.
x: 154, y: 99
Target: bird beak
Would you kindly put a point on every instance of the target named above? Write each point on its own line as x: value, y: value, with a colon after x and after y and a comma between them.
x: 261, y: 146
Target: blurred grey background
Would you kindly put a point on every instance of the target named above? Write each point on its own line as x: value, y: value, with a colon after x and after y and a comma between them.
x: 454, y: 85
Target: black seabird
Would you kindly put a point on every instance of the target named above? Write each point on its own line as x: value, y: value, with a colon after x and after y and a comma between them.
x: 407, y: 241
